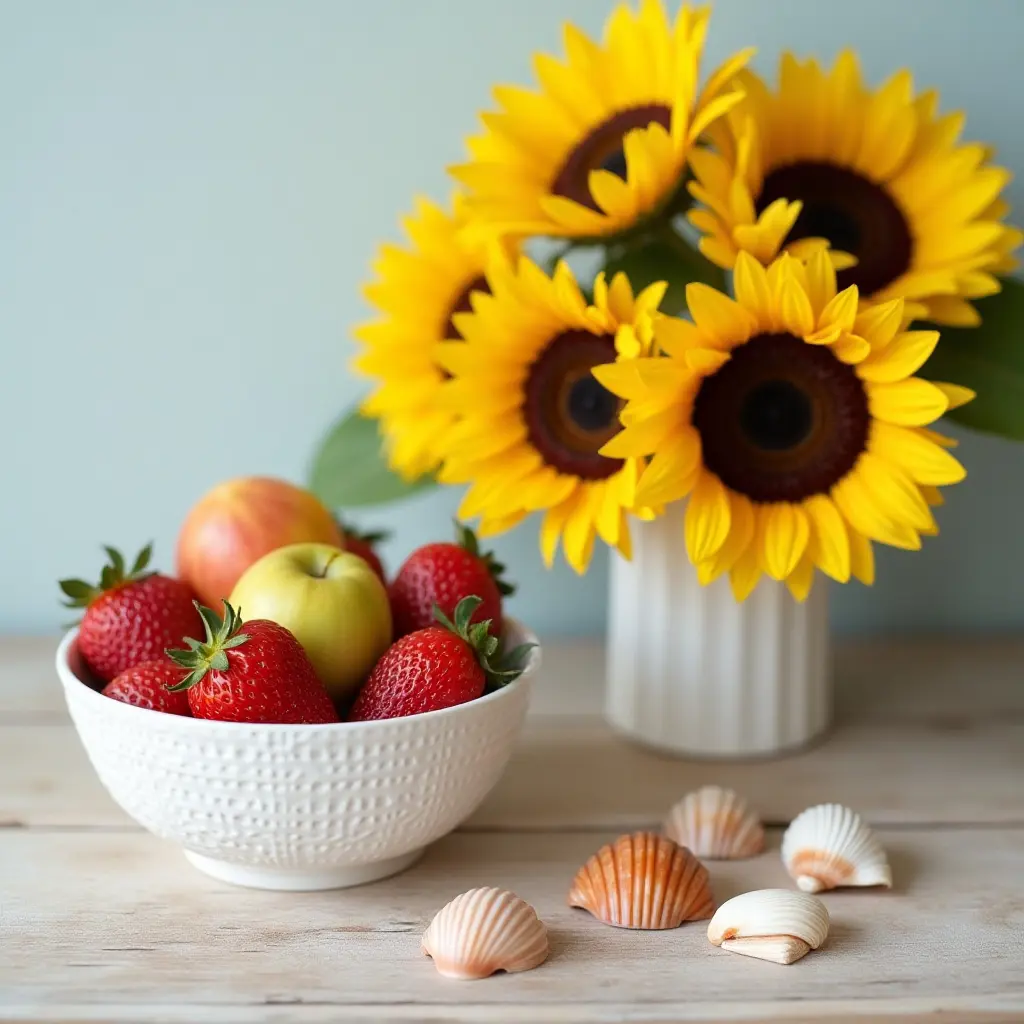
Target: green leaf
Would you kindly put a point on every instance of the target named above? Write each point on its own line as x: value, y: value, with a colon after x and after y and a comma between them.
x: 467, y: 539
x: 444, y: 620
x: 464, y: 612
x: 516, y: 657
x: 663, y: 259
x: 990, y: 360
x: 116, y: 562
x: 109, y: 578
x: 212, y: 621
x: 142, y: 559
x: 77, y: 589
x: 350, y: 469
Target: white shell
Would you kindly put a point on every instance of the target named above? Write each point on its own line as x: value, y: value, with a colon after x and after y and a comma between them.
x: 716, y: 824
x: 771, y: 924
x: 829, y: 846
x: 483, y: 931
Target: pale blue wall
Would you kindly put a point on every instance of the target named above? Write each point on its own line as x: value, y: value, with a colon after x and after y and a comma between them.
x: 190, y: 192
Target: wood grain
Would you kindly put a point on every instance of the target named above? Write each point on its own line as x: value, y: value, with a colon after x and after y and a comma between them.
x: 100, y: 921
x: 938, y: 678
x: 912, y: 770
x: 126, y: 918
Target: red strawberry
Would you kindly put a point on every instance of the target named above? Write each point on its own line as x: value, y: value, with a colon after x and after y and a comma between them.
x: 260, y: 675
x: 363, y: 544
x: 443, y: 574
x: 146, y: 686
x: 132, y: 616
x: 437, y: 667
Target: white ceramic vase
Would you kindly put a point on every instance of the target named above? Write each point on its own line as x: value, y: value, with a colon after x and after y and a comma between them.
x: 693, y: 672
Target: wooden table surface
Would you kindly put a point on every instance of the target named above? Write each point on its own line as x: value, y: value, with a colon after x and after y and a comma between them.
x: 101, y: 921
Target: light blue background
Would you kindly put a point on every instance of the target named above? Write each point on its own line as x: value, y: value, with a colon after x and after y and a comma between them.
x: 189, y: 196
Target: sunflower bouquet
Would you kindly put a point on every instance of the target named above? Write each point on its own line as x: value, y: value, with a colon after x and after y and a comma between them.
x: 782, y: 280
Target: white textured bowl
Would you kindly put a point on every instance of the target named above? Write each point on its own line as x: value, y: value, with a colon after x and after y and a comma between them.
x: 298, y: 807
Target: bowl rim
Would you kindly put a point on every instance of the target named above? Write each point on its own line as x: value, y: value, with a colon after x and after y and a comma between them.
x: 69, y: 680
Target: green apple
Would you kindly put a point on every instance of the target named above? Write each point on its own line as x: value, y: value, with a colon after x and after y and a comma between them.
x: 331, y: 600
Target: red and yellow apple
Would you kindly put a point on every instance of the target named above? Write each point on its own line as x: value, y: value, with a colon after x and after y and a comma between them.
x: 240, y: 521
x: 331, y: 600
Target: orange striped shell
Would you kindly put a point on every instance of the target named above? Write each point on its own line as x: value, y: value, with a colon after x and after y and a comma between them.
x: 643, y: 881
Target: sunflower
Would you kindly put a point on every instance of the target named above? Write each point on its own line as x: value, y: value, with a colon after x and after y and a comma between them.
x: 532, y: 418
x: 791, y: 421
x: 603, y: 142
x: 879, y: 175
x: 418, y: 290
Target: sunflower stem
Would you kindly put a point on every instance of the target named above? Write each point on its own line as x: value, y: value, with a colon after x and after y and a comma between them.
x: 698, y: 266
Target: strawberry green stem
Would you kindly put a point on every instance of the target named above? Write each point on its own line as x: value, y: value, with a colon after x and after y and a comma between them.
x: 115, y: 573
x: 468, y: 541
x: 500, y: 667
x: 222, y: 634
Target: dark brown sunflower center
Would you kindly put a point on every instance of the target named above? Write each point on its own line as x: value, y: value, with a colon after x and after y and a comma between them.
x: 853, y: 213
x: 602, y: 150
x: 569, y: 415
x: 462, y: 304
x: 782, y: 420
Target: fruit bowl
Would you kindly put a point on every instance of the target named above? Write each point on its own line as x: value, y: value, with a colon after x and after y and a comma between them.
x: 299, y: 807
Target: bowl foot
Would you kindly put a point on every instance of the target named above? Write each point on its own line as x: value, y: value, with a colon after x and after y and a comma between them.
x: 299, y: 879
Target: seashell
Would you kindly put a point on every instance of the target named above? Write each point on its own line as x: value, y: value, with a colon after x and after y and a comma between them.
x: 771, y: 924
x: 483, y: 931
x: 830, y: 846
x: 643, y: 881
x: 717, y: 824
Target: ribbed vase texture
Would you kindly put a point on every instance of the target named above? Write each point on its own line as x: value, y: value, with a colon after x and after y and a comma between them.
x: 694, y: 672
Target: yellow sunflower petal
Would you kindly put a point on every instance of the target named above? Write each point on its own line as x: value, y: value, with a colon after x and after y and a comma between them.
x: 953, y: 311
x: 909, y: 403
x: 829, y: 544
x: 956, y: 395
x: 862, y: 511
x: 509, y: 456
x: 745, y: 574
x: 862, y: 558
x: 801, y: 579
x: 580, y: 529
x: 417, y: 287
x: 741, y: 536
x: 879, y: 324
x: 922, y: 458
x: 717, y: 314
x: 821, y: 284
x: 895, y: 492
x: 851, y: 349
x: 551, y: 529
x: 797, y: 314
x: 708, y: 515
x: 525, y: 165
x: 901, y: 358
x: 786, y: 532
x: 817, y: 135
x: 643, y: 437
x: 752, y: 292
x: 840, y: 311
x: 671, y: 474
x: 492, y: 526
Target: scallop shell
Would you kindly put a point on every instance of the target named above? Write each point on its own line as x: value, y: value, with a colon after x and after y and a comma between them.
x: 771, y: 924
x: 643, y: 881
x: 829, y: 846
x: 717, y: 824
x: 483, y: 931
